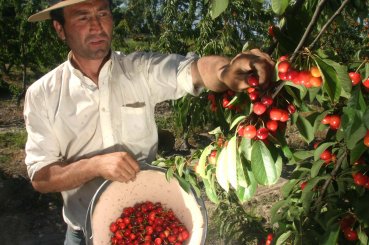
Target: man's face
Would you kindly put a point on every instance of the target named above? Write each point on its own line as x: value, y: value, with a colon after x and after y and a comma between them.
x: 88, y: 29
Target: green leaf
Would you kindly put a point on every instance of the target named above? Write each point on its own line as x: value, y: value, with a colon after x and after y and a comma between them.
x: 342, y: 76
x: 231, y: 159
x: 245, y: 148
x: 366, y: 118
x: 279, y: 6
x: 236, y: 121
x: 303, y: 155
x: 331, y: 236
x: 169, y: 174
x: 218, y: 7
x: 316, y: 168
x: 308, y: 193
x: 356, y: 153
x: 331, y: 84
x: 245, y: 194
x: 222, y: 169
x: 183, y: 183
x: 363, y: 237
x: 210, y: 191
x: 287, y: 187
x: 282, y: 238
x: 203, y: 160
x: 241, y: 173
x: 180, y: 163
x: 305, y: 128
x: 262, y: 164
x: 275, y: 215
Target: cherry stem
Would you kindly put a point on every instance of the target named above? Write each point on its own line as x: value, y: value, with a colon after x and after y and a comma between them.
x: 362, y: 63
x: 318, y: 202
x: 309, y: 28
x: 338, y: 12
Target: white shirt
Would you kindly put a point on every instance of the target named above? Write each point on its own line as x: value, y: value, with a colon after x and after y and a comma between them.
x: 69, y: 118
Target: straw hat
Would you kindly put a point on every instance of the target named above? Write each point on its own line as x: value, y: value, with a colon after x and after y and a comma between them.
x: 45, y: 14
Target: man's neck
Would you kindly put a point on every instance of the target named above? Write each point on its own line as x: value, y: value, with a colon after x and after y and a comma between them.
x: 89, y: 68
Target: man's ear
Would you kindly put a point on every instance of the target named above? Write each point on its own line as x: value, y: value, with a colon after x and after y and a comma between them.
x: 59, y: 30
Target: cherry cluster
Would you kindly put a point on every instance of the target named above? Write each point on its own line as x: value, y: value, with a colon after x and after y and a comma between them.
x: 361, y: 179
x: 308, y: 78
x: 356, y: 78
x: 346, y: 226
x: 147, y: 223
x: 269, y: 116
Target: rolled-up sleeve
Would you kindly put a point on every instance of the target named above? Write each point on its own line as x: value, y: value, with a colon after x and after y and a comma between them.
x: 168, y: 76
x: 42, y: 147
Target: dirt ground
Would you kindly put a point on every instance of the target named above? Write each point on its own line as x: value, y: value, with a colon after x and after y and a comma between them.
x: 27, y: 217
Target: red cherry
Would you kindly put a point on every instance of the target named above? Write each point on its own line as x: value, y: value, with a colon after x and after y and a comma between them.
x: 366, y: 140
x: 259, y: 108
x: 326, y: 155
x: 158, y: 241
x: 275, y: 114
x: 284, y: 116
x: 360, y: 179
x: 262, y: 133
x: 366, y: 83
x: 225, y: 102
x: 282, y: 75
x: 283, y: 58
x: 271, y: 30
x: 253, y: 81
x: 347, y: 222
x: 355, y: 78
x: 335, y: 122
x: 316, y: 81
x: 185, y: 235
x: 272, y: 125
x: 249, y: 132
x: 303, y: 78
x: 283, y: 66
x: 254, y: 95
x: 113, y: 227
x: 267, y: 100
x: 303, y: 185
x: 291, y: 108
x: 350, y: 234
x: 240, y: 130
x: 326, y: 119
x: 292, y: 75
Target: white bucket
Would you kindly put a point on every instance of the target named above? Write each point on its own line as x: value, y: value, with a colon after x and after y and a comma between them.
x: 150, y: 185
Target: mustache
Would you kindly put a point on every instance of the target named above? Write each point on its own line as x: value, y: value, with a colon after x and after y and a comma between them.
x: 102, y: 35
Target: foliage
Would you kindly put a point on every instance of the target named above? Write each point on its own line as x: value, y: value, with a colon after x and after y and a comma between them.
x: 323, y: 193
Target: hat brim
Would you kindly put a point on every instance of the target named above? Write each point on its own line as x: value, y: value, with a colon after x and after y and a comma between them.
x: 45, y: 14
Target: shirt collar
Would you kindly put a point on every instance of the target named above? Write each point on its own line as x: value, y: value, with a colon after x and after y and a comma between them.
x: 85, y: 81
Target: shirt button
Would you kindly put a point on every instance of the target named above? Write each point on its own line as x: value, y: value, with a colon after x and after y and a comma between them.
x: 103, y: 109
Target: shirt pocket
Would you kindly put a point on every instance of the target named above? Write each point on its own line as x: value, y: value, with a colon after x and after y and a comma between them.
x: 135, y: 123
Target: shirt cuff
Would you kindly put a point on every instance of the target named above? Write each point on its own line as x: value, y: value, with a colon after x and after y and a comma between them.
x: 184, y: 76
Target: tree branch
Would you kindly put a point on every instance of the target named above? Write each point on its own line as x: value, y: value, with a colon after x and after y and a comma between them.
x: 328, y: 181
x: 338, y: 12
x: 309, y: 28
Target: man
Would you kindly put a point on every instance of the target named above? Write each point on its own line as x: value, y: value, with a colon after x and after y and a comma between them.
x: 92, y: 117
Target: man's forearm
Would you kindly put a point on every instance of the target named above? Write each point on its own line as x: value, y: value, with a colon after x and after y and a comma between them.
x: 206, y: 72
x: 59, y: 177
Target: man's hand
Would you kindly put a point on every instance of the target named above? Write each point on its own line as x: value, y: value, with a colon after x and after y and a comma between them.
x: 117, y: 166
x: 253, y: 62
x: 218, y: 73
